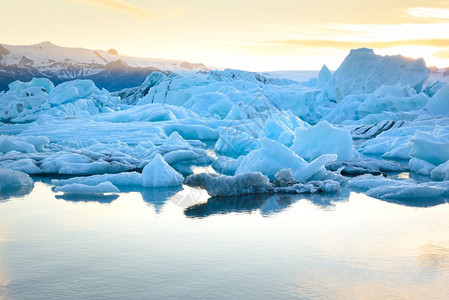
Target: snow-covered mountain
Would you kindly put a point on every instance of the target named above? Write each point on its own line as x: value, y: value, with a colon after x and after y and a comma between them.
x: 106, y: 68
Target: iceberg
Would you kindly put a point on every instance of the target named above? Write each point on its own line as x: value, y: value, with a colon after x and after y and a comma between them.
x: 362, y: 72
x: 432, y: 147
x: 159, y: 174
x: 385, y: 188
x: 315, y: 169
x: 83, y: 189
x: 261, y: 134
x: 440, y: 172
x: 386, y: 103
x: 439, y: 103
x: 257, y: 183
x: 269, y: 159
x: 420, y: 166
x: 120, y: 180
x: 323, y: 138
x: 71, y: 90
x: 225, y: 186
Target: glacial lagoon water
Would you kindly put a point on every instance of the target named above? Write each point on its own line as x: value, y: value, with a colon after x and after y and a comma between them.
x: 149, y: 244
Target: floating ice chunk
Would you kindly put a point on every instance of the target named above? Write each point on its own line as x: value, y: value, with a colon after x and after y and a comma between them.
x: 42, y: 83
x: 273, y: 129
x: 28, y: 144
x: 96, y: 167
x: 284, y: 178
x: 393, y: 100
x: 226, y: 165
x: 368, y: 181
x: 385, y: 188
x: 83, y: 189
x: 55, y: 162
x: 71, y: 90
x: 420, y: 166
x: 223, y: 186
x: 13, y: 180
x: 39, y: 142
x: 120, y: 179
x: 234, y: 75
x: 77, y: 164
x: 441, y: 172
x: 432, y: 147
x: 11, y: 144
x: 184, y: 154
x: 439, y: 103
x: 315, y: 168
x: 311, y: 187
x: 209, y: 104
x: 382, y: 104
x: 269, y: 159
x: 26, y: 165
x: 192, y: 131
x: 175, y: 139
x: 323, y: 138
x: 132, y: 96
x: 220, y: 107
x: 256, y: 183
x: 160, y: 174
x: 234, y: 143
x: 407, y: 191
x: 153, y: 112
x: 237, y: 112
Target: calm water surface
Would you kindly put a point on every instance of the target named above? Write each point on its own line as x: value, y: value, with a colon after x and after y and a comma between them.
x: 145, y: 244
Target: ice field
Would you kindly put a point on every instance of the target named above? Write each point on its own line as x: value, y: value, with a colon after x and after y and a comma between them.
x: 377, y: 124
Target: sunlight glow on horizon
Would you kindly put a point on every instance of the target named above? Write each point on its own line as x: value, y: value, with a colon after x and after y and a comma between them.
x: 258, y: 36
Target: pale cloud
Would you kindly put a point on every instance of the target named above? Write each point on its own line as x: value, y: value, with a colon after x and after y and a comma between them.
x: 324, y: 43
x: 121, y: 6
x: 428, y: 13
x: 442, y: 53
x: 392, y: 32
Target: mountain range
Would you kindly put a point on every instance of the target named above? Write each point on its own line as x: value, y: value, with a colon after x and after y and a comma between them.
x: 107, y: 69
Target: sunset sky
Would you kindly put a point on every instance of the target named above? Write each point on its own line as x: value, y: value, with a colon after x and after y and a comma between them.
x: 245, y: 34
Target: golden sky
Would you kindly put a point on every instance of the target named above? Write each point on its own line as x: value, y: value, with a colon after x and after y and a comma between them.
x: 245, y: 34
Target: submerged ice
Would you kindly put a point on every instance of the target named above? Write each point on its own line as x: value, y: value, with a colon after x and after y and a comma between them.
x: 373, y: 117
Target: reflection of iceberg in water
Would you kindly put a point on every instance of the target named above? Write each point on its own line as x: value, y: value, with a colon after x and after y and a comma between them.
x: 418, y: 202
x: 6, y: 194
x: 157, y: 197
x: 104, y: 199
x: 268, y: 204
x: 224, y: 205
x: 327, y: 201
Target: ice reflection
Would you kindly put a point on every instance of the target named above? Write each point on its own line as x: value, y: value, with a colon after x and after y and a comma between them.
x: 268, y: 204
x: 159, y: 196
x: 197, y: 203
x: 104, y: 199
x: 417, y: 202
x: 5, y: 195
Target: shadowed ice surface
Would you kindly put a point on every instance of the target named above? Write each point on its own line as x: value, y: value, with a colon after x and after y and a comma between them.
x: 177, y: 244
